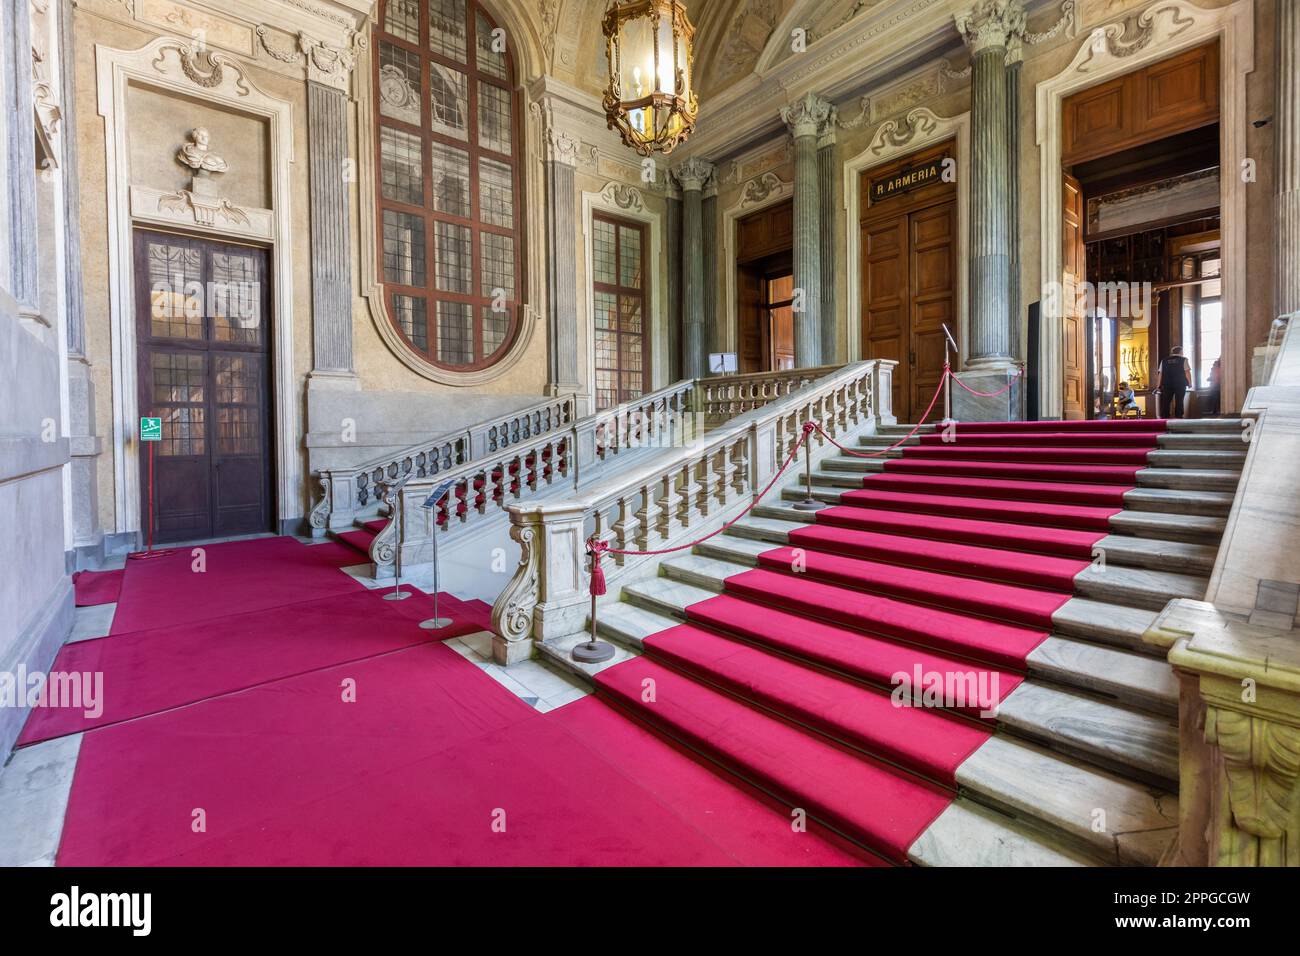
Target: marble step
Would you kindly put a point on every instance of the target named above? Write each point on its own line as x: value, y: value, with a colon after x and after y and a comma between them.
x: 1029, y: 782
x: 1170, y: 501
x: 1129, y: 741
x: 1116, y: 549
x: 1180, y: 426
x: 558, y: 652
x: 967, y: 834
x: 1219, y: 475
x: 1179, y: 501
x: 1071, y: 719
x: 1196, y: 529
x: 1134, y: 587
x: 1197, y: 458
x: 1127, y: 672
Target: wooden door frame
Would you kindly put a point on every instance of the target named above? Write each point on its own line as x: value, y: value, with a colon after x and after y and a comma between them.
x: 140, y: 279
x: 903, y: 210
x: 919, y: 129
x: 159, y: 65
x: 1172, y: 26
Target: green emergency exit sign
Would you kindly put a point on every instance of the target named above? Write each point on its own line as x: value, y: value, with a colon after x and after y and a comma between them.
x: 151, y: 429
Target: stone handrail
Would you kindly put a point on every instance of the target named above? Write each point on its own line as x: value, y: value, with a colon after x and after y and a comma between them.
x: 1237, y: 652
x: 667, y: 501
x: 346, y: 491
x: 485, y: 487
x: 735, y: 394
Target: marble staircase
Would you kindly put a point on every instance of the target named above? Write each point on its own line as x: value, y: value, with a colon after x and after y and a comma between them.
x: 1082, y: 767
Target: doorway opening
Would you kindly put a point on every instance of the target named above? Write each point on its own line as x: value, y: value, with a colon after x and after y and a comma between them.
x: 203, y: 336
x: 1142, y: 242
x: 765, y: 283
x: 908, y: 224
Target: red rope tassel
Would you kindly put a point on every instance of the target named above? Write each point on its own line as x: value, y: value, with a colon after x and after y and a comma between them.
x: 596, y: 548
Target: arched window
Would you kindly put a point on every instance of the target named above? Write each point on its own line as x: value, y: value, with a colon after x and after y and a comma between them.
x: 449, y: 185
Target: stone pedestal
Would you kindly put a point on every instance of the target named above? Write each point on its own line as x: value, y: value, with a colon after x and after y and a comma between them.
x: 1006, y: 406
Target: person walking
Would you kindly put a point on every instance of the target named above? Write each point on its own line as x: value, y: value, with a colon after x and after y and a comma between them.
x: 1172, y: 380
x: 1216, y: 387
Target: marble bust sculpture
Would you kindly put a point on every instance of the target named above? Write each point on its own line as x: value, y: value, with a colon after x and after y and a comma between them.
x: 196, y: 154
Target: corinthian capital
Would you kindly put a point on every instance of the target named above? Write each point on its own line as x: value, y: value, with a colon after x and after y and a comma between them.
x: 695, y: 173
x: 807, y: 115
x: 991, y: 24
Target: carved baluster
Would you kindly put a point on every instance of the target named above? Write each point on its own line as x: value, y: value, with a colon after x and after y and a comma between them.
x: 625, y: 528
x: 647, y: 517
x: 668, y: 505
x: 707, y: 482
x: 740, y: 474
x: 687, y: 503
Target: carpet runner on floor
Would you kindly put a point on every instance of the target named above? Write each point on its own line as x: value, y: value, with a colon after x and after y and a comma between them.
x: 950, y: 562
x: 96, y: 587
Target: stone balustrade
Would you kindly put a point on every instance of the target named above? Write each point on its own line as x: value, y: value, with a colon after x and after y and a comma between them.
x: 668, y: 501
x: 1237, y: 653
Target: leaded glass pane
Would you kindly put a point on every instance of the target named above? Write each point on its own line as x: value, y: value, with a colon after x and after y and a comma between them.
x: 450, y: 179
x: 603, y: 251
x: 498, y: 258
x: 412, y: 319
x: 403, y: 248
x: 402, y: 19
x: 491, y: 47
x: 235, y: 298
x: 453, y: 262
x: 447, y: 25
x: 175, y: 291
x: 455, y: 333
x: 629, y: 257
x: 399, y: 83
x: 606, y: 310
x: 449, y: 97
x: 495, y: 326
x: 496, y: 193
x: 401, y: 166
x: 493, y: 117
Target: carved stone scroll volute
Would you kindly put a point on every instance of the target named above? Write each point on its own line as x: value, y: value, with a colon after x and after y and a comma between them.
x: 512, y: 614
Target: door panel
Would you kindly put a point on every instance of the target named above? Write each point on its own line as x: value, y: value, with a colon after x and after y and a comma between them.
x: 1073, y: 350
x: 884, y: 319
x: 204, y: 370
x: 934, y: 297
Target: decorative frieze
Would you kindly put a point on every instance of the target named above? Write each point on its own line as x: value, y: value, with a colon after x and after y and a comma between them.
x: 760, y: 189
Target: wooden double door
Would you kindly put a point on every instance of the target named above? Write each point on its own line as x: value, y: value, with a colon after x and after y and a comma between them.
x: 909, y: 281
x: 203, y: 339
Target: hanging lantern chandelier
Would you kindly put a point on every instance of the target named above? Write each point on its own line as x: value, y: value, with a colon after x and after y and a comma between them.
x: 650, y: 48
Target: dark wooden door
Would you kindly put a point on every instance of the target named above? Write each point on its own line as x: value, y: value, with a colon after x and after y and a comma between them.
x: 910, y: 292
x: 886, y: 321
x: 1074, y: 347
x: 203, y: 338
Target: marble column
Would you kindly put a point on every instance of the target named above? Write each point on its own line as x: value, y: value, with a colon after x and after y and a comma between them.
x: 564, y: 375
x: 713, y: 333
x: 1015, y: 60
x: 673, y: 223
x: 331, y: 242
x: 991, y: 29
x: 19, y: 123
x: 826, y: 169
x: 692, y: 176
x: 806, y: 118
x: 1286, y: 136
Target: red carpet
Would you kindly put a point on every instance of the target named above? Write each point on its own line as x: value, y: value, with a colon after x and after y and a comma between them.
x: 238, y: 576
x: 949, y: 503
x: 993, y: 534
x: 146, y: 672
x: 96, y: 587
x: 864, y: 800
x: 415, y: 772
x: 1153, y: 425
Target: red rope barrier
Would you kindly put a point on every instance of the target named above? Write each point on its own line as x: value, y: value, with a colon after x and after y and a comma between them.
x: 1002, y: 391
x: 915, y: 428
x: 596, y: 547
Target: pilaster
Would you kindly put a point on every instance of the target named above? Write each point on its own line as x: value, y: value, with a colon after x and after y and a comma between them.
x: 331, y: 243
x: 829, y: 209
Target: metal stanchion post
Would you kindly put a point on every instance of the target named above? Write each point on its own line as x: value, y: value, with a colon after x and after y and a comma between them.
x: 397, y: 593
x: 949, y: 346
x: 437, y: 622
x: 809, y: 503
x: 593, y: 651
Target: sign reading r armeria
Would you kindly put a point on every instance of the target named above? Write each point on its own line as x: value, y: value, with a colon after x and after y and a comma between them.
x: 914, y: 177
